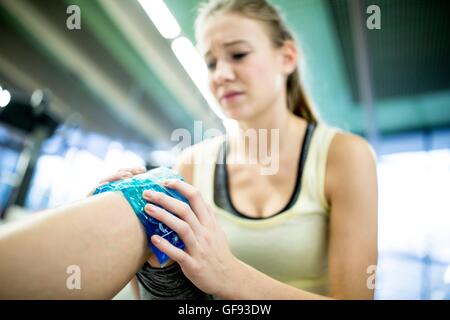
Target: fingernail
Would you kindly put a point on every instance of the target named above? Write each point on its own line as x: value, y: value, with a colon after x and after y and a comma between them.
x: 148, y: 193
x: 156, y: 239
x: 148, y: 208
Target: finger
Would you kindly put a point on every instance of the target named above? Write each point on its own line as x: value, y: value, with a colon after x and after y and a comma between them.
x: 124, y: 173
x: 117, y: 176
x: 173, y: 252
x: 177, y: 207
x: 194, y: 197
x: 136, y: 170
x: 179, y: 226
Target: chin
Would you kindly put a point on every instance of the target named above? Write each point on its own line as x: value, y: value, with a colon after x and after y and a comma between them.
x: 238, y: 114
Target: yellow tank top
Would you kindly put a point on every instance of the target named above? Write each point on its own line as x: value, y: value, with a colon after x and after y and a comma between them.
x: 291, y: 246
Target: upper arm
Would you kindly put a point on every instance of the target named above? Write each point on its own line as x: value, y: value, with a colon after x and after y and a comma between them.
x: 351, y: 188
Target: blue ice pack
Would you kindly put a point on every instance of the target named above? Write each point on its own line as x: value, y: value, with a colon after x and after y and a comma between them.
x: 133, y: 188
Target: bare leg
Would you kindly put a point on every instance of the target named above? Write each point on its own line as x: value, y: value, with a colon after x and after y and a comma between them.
x: 101, y: 235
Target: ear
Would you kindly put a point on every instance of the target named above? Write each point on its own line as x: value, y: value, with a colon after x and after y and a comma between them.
x: 290, y: 56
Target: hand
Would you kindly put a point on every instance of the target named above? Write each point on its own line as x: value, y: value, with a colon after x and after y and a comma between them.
x: 119, y: 175
x: 207, y: 260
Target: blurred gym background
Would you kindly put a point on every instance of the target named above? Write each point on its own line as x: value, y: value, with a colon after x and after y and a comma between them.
x: 76, y: 104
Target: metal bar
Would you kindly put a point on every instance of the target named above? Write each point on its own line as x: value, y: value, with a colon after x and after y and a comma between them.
x: 365, y: 87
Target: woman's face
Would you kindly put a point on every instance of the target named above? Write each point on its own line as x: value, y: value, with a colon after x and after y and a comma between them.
x: 247, y: 74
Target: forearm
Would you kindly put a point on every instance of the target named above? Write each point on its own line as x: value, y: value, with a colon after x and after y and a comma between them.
x: 101, y: 235
x: 250, y: 284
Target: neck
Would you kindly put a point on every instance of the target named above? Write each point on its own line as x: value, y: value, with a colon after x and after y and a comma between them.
x: 266, y: 136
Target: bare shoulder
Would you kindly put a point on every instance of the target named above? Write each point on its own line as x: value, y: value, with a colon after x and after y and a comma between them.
x: 348, y: 146
x: 351, y: 160
x: 186, y: 160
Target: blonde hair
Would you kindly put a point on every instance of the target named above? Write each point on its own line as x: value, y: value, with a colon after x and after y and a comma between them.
x: 263, y: 11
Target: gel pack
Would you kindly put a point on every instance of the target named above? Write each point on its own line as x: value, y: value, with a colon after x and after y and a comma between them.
x: 133, y: 188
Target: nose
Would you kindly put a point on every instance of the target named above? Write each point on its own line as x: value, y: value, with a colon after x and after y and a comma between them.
x: 223, y: 72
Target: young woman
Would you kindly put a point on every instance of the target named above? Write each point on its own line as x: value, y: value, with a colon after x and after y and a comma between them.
x: 307, y: 231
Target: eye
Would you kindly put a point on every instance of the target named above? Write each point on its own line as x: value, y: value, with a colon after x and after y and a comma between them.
x: 211, y: 65
x: 239, y: 56
x: 236, y: 57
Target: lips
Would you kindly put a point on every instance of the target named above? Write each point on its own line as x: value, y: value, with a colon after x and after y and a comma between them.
x: 230, y: 94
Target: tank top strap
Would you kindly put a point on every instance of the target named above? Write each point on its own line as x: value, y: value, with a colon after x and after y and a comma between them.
x: 205, y: 156
x: 316, y: 164
x: 314, y: 173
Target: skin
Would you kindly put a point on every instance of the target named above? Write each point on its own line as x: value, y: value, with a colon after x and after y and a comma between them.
x: 109, y: 254
x: 100, y: 234
x: 350, y: 184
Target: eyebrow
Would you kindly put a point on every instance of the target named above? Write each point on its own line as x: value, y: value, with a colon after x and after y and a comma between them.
x: 228, y: 44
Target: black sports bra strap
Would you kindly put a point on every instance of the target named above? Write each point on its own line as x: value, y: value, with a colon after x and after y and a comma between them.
x: 222, y: 195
